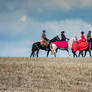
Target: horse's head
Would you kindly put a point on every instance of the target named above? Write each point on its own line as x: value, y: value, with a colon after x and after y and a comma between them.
x: 56, y: 38
x: 70, y: 43
x: 74, y: 39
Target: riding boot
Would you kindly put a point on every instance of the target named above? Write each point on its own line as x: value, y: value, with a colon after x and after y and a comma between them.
x: 42, y: 46
x: 47, y: 48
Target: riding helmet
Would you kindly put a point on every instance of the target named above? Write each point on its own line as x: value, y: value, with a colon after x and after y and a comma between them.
x: 44, y: 31
x: 62, y: 32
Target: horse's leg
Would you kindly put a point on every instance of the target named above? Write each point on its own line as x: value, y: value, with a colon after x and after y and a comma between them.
x: 90, y: 47
x: 37, y: 53
x: 90, y: 53
x: 54, y: 54
x: 53, y: 48
x: 85, y: 53
x: 48, y: 52
x: 67, y: 51
x: 32, y: 53
x: 82, y: 53
x: 74, y: 53
x: 56, y: 50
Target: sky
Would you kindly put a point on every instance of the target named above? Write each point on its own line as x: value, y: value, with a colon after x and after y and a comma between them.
x: 22, y: 22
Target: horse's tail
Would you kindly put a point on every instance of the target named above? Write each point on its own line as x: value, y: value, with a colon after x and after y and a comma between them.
x: 32, y: 51
x: 34, y: 48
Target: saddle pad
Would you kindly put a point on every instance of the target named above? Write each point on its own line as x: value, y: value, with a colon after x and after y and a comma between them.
x: 62, y: 44
x: 80, y: 47
x: 43, y: 43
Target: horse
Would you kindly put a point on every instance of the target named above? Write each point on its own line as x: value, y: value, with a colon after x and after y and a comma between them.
x: 86, y: 50
x: 54, y: 48
x: 89, y: 39
x: 89, y: 48
x: 37, y: 46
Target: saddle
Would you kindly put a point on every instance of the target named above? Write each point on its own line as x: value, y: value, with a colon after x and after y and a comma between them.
x: 45, y: 43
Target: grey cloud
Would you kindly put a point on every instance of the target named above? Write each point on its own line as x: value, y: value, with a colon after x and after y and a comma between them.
x: 44, y: 5
x: 54, y: 5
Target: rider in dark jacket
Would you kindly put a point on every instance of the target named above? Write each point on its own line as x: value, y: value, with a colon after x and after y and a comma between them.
x: 88, y: 39
x: 63, y: 37
x: 89, y: 36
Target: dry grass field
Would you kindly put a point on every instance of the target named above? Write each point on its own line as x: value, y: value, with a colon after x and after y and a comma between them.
x: 46, y: 75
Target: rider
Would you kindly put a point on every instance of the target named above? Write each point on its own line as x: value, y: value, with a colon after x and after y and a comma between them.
x: 63, y: 37
x: 88, y: 38
x: 83, y: 39
x: 44, y: 38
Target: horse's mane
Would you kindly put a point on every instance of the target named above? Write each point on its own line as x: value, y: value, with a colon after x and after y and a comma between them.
x: 73, y: 38
x: 70, y: 42
x: 54, y: 38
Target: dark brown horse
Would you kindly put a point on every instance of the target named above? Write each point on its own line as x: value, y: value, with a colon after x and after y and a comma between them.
x: 37, y: 46
x: 89, y: 48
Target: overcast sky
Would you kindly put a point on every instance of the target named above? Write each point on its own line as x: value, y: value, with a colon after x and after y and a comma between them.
x: 22, y: 22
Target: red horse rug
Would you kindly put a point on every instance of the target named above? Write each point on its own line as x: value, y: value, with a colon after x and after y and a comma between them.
x: 80, y: 46
x: 62, y: 44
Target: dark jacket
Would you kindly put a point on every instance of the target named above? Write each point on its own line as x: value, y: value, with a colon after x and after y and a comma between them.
x: 63, y: 37
x: 88, y: 37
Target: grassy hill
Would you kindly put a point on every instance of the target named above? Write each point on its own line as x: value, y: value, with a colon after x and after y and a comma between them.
x: 45, y: 74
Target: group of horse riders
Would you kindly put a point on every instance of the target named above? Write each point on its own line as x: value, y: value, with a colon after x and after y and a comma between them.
x: 45, y: 40
x: 63, y: 44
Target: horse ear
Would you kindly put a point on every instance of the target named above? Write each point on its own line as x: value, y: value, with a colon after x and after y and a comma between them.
x: 76, y: 37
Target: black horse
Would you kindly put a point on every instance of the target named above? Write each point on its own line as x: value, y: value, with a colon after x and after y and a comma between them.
x: 37, y: 46
x: 81, y: 52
